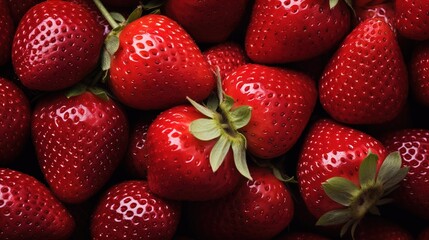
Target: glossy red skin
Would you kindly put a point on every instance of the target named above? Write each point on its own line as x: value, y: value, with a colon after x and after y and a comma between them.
x: 386, y: 11
x: 412, y: 144
x: 56, y: 45
x: 258, y: 209
x: 376, y: 228
x: 19, y: 8
x: 6, y: 33
x: 130, y: 211
x: 366, y: 81
x: 14, y: 121
x: 178, y: 165
x: 227, y: 56
x: 207, y: 21
x: 282, y: 102
x: 301, y: 236
x: 157, y: 65
x: 419, y: 69
x: 412, y: 20
x: 29, y: 210
x: 79, y: 142
x: 288, y: 31
x: 137, y: 157
x: 332, y: 150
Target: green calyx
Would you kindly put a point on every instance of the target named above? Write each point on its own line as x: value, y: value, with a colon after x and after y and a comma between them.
x: 223, y: 122
x: 372, y: 191
x: 80, y: 88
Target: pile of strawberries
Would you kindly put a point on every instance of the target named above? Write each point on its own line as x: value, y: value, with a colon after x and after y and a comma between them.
x: 214, y: 119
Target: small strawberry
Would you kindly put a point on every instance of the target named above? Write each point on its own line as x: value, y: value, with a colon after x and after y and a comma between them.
x: 19, y: 8
x: 365, y: 82
x: 14, y: 121
x: 287, y: 31
x: 79, y: 142
x: 6, y: 33
x: 376, y: 228
x: 412, y: 144
x: 209, y: 21
x: 340, y: 177
x: 130, y: 211
x: 29, y: 211
x: 258, y: 209
x: 419, y: 69
x: 56, y: 45
x: 412, y: 19
x: 227, y: 56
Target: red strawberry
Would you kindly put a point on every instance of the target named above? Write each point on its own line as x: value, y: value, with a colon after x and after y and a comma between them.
x: 365, y: 82
x: 79, y: 142
x: 19, y: 8
x: 301, y: 236
x: 258, y: 209
x: 368, y: 3
x: 412, y: 20
x: 386, y: 11
x: 282, y: 102
x: 209, y: 21
x: 157, y: 65
x: 419, y: 68
x: 227, y: 56
x: 412, y: 144
x: 340, y: 177
x: 130, y: 211
x: 287, y: 31
x: 29, y: 211
x: 376, y: 228
x: 15, y: 121
x: 6, y: 32
x: 56, y: 45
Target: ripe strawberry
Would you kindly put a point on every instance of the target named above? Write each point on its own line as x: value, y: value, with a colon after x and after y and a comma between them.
x: 14, y: 121
x: 412, y: 145
x: 412, y: 20
x: 419, y: 69
x: 301, y: 236
x: 376, y: 228
x: 209, y: 21
x: 130, y: 211
x: 258, y: 209
x: 288, y: 31
x: 340, y: 177
x: 6, y: 32
x: 157, y: 65
x: 227, y: 56
x: 29, y: 211
x: 19, y: 8
x: 367, y: 3
x: 386, y: 11
x: 56, y: 45
x: 282, y: 102
x: 365, y: 82
x: 79, y: 142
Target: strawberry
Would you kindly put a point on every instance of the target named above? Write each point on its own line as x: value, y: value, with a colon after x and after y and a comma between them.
x: 365, y: 82
x: 7, y: 31
x: 209, y: 21
x: 412, y: 145
x: 340, y: 177
x: 281, y: 101
x: 79, y: 142
x: 227, y: 56
x: 19, y: 8
x: 288, y: 31
x: 375, y: 228
x: 129, y: 210
x: 29, y: 211
x: 412, y: 20
x: 301, y: 236
x: 386, y: 11
x: 419, y: 69
x: 15, y: 121
x: 258, y: 209
x: 56, y: 45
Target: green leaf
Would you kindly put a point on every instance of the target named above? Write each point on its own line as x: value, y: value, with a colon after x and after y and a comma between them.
x: 227, y: 103
x: 333, y: 3
x: 219, y: 151
x: 340, y: 190
x: 153, y: 4
x: 368, y: 170
x: 334, y: 217
x: 76, y: 90
x: 389, y: 168
x: 239, y: 151
x: 384, y: 201
x: 220, y: 92
x: 202, y: 109
x: 99, y: 92
x: 205, y: 129
x: 396, y: 179
x: 346, y: 227
x: 117, y: 16
x: 212, y: 102
x: 374, y: 210
x: 105, y: 60
x: 283, y: 177
x: 136, y: 14
x: 112, y: 43
x: 240, y: 116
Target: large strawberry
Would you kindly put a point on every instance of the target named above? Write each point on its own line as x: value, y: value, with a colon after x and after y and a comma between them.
x: 412, y: 18
x: 29, y: 211
x: 286, y: 31
x: 15, y: 121
x: 210, y: 21
x: 56, y: 45
x: 419, y: 69
x: 131, y: 211
x: 365, y: 82
x: 6, y: 32
x: 258, y: 209
x: 79, y: 142
x: 412, y: 144
x: 344, y: 173
x: 282, y: 102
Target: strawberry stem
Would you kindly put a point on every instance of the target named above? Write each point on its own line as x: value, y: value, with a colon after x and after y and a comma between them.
x: 106, y: 14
